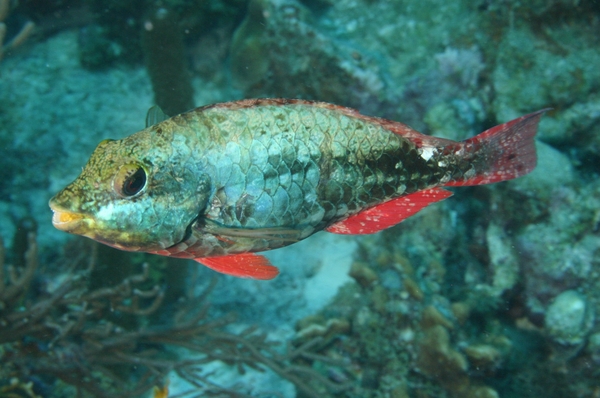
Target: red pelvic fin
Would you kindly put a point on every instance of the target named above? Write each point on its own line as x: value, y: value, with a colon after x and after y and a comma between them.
x: 246, y: 265
x: 390, y: 213
x: 508, y: 150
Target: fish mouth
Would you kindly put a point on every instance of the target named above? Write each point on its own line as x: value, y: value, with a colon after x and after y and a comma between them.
x: 65, y: 220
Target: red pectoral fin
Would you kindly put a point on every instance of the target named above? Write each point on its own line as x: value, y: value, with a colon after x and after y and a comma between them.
x: 247, y: 265
x: 389, y: 213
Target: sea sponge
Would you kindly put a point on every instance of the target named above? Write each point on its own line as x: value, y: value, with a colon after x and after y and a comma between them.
x: 439, y: 360
x: 568, y: 321
x: 363, y: 274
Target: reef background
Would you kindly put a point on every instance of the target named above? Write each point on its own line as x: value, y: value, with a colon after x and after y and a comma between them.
x: 491, y: 293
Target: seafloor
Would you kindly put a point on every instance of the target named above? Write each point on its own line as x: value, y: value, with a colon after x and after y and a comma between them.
x: 491, y: 293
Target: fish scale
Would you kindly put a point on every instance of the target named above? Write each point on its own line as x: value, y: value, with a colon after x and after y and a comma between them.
x: 327, y: 178
x: 221, y: 182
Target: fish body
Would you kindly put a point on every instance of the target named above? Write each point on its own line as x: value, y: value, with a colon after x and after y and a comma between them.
x: 224, y: 181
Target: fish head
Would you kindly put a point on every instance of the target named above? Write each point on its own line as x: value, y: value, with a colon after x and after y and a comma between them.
x: 132, y: 195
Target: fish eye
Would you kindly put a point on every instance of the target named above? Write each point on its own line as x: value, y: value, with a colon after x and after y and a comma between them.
x: 130, y: 180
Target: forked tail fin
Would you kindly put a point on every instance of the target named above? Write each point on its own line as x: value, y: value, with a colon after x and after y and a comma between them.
x: 501, y: 153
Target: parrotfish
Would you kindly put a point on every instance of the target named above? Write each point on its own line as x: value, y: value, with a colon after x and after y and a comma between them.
x: 221, y: 182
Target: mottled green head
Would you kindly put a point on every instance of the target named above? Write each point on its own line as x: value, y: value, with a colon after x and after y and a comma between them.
x: 134, y: 194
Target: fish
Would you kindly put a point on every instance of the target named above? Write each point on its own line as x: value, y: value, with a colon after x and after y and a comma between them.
x: 223, y: 182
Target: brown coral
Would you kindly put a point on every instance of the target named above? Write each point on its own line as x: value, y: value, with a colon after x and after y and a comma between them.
x: 65, y: 330
x: 24, y: 33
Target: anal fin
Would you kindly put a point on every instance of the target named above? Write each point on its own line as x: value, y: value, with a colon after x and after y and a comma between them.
x: 245, y: 265
x: 388, y: 214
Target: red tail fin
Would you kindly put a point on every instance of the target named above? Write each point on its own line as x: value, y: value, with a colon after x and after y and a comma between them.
x: 505, y: 151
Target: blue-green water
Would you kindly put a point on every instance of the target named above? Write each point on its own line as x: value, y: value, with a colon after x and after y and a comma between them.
x: 491, y: 293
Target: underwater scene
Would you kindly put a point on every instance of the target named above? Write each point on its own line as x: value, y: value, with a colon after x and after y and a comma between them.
x: 491, y: 290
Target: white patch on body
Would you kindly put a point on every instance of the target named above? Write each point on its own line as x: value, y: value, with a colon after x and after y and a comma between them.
x: 427, y: 152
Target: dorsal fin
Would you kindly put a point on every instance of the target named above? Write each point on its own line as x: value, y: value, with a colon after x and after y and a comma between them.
x: 387, y: 214
x: 155, y: 115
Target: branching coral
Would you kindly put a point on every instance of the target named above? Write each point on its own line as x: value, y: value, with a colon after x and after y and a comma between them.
x: 24, y: 33
x: 62, y: 331
x: 40, y: 335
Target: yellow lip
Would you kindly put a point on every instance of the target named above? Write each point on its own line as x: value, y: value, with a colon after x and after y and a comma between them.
x: 65, y: 220
x: 65, y: 217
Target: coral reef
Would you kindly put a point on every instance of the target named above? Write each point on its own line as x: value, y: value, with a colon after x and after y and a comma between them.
x: 406, y: 344
x: 494, y: 292
x: 276, y: 51
x: 64, y: 330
